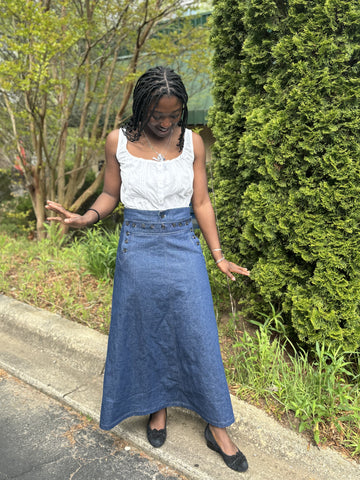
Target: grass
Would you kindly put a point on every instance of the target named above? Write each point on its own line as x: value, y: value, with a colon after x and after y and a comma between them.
x: 318, y: 394
x: 57, y: 279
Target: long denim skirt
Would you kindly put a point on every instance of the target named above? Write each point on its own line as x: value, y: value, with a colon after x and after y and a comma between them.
x: 163, y: 347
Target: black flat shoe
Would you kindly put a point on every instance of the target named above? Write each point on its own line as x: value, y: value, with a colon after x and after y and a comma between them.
x: 156, y: 437
x: 236, y: 462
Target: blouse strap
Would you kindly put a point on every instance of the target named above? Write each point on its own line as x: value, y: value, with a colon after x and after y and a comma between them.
x: 121, y: 146
x: 188, y: 142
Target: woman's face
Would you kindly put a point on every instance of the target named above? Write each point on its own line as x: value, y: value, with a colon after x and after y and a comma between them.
x: 165, y: 117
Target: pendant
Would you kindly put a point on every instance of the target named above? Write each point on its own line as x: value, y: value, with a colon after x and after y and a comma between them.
x: 159, y: 158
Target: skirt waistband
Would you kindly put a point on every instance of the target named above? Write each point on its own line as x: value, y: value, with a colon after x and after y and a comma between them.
x: 153, y: 221
x: 157, y: 216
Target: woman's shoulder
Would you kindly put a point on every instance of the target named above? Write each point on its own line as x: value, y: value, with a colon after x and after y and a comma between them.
x: 112, y: 136
x: 115, y: 137
x: 195, y: 136
x: 113, y: 143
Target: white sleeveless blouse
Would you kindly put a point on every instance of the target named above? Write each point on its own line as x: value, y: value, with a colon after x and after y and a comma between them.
x: 156, y: 185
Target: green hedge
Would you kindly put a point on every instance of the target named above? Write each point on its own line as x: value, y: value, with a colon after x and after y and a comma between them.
x: 287, y: 159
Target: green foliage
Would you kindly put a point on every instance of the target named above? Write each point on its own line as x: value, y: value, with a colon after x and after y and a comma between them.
x: 44, y: 275
x: 17, y: 216
x: 55, y: 237
x: 256, y: 361
x: 321, y: 391
x: 5, y: 181
x: 100, y: 251
x: 219, y: 283
x: 326, y: 392
x: 287, y: 175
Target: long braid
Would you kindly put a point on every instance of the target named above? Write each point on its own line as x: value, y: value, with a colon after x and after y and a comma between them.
x: 150, y: 87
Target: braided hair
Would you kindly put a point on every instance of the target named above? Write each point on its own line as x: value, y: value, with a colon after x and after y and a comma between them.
x: 149, y: 89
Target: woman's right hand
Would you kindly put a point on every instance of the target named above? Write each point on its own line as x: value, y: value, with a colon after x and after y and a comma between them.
x: 73, y: 220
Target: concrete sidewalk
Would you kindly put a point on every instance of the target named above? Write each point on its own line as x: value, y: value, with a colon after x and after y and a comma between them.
x: 66, y: 360
x: 44, y: 439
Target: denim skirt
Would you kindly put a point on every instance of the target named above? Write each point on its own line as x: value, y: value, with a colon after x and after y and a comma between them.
x: 163, y: 347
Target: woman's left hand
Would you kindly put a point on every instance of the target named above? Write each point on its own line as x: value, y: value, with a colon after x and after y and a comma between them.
x: 229, y: 268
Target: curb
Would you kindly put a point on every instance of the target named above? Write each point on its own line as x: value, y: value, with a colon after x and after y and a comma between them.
x: 86, y: 347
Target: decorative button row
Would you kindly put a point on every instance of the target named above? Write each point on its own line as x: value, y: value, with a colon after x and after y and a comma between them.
x: 142, y: 225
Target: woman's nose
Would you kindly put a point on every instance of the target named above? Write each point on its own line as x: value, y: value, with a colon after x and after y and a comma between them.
x: 166, y: 122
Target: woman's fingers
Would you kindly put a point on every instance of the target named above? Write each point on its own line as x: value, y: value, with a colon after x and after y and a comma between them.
x: 237, y: 269
x: 55, y: 219
x: 56, y: 207
x: 229, y: 268
x: 53, y: 204
x: 73, y: 219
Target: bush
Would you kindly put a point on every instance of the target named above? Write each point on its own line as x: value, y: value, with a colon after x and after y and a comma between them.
x: 287, y: 176
x: 5, y: 180
x: 16, y: 213
x: 100, y: 255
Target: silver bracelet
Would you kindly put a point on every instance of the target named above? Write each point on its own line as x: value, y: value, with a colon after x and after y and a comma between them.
x: 216, y: 250
x: 220, y: 260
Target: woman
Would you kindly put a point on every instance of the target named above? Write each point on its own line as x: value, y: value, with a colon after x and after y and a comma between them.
x: 163, y: 345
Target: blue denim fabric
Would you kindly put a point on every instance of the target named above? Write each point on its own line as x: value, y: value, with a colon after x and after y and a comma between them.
x: 163, y: 347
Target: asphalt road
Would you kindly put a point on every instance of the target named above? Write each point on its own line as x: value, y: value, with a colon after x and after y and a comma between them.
x: 42, y: 439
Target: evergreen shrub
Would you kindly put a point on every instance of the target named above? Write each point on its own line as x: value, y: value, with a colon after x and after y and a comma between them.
x: 287, y: 159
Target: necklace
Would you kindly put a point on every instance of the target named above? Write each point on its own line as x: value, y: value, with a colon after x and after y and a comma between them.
x: 159, y: 156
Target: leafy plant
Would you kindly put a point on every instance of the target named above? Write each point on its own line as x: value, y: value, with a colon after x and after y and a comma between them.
x: 320, y: 389
x: 100, y: 251
x: 54, y: 278
x: 287, y: 122
x: 16, y: 216
x: 256, y: 360
x: 321, y: 393
x: 55, y: 236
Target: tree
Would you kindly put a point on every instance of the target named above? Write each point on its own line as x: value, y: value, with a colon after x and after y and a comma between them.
x: 287, y: 167
x: 68, y: 68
